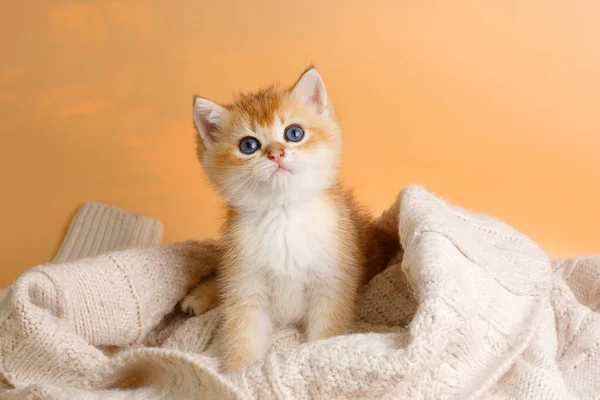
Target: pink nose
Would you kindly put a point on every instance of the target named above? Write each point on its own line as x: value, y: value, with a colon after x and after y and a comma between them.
x: 277, y: 155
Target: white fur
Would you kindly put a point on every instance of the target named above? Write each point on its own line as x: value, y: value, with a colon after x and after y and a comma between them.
x: 288, y: 231
x: 286, y: 250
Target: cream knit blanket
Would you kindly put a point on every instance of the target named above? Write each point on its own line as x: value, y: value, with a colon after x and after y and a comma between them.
x: 474, y: 309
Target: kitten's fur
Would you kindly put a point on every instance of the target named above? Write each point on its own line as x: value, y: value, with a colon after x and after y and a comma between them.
x: 295, y: 243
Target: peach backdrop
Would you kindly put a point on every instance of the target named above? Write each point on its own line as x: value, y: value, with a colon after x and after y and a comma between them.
x: 493, y: 105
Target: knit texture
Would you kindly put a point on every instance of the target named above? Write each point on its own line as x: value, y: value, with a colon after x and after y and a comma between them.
x: 472, y: 309
x: 98, y: 228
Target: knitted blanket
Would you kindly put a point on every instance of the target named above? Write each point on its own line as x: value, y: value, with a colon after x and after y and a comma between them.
x: 472, y: 309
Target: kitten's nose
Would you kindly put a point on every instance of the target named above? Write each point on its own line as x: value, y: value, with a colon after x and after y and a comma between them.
x: 275, y: 152
x: 277, y: 156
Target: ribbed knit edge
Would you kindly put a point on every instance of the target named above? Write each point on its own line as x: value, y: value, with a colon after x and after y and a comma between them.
x: 100, y: 228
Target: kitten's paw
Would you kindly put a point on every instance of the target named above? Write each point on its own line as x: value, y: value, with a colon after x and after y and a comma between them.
x: 203, y: 298
x: 194, y: 305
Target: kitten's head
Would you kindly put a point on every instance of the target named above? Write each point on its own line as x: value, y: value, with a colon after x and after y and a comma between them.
x: 276, y: 145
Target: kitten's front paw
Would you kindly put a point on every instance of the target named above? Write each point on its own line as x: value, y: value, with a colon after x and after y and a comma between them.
x: 201, y: 299
x: 194, y: 305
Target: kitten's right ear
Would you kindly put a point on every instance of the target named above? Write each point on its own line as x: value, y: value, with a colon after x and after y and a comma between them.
x: 311, y: 89
x: 208, y: 117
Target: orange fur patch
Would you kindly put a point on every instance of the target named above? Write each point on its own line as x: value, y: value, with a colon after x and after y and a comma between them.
x: 318, y: 137
x: 260, y: 107
x: 225, y: 155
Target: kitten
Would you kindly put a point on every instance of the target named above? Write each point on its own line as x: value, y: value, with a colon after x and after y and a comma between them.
x: 295, y: 242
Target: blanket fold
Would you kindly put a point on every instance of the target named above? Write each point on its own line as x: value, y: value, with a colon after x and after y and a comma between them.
x: 470, y: 309
x: 64, y: 314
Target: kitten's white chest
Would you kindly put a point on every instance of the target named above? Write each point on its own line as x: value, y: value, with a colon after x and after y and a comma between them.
x: 301, y: 241
x: 289, y: 248
x: 292, y: 241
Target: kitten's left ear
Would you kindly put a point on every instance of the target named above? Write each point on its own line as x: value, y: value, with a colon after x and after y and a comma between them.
x: 208, y: 117
x: 311, y: 89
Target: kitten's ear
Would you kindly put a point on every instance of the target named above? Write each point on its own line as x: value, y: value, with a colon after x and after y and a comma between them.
x: 311, y: 89
x: 208, y: 117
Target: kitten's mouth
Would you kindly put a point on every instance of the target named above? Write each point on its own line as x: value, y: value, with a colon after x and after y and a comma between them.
x: 280, y: 169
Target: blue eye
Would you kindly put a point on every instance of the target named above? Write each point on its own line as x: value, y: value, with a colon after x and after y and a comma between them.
x: 249, y: 145
x: 293, y: 133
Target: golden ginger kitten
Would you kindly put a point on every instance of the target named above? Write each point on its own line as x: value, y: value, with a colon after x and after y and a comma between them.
x: 295, y: 243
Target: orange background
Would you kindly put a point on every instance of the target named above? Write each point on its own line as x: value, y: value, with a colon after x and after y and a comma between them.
x: 493, y: 105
